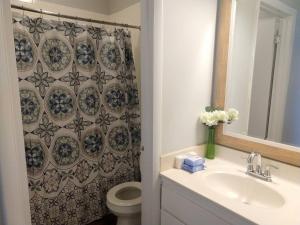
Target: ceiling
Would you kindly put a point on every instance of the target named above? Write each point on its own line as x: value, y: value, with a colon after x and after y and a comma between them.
x: 99, y: 6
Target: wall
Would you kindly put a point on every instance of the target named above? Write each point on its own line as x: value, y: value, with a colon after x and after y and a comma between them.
x: 151, y: 98
x: 241, y: 63
x: 14, y: 196
x: 119, y: 5
x: 98, y: 6
x: 292, y: 3
x: 106, y: 7
x: 291, y: 132
x: 264, y: 56
x: 188, y: 48
x: 58, y: 8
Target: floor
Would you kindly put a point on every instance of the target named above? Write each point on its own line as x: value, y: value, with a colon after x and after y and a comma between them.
x: 107, y: 220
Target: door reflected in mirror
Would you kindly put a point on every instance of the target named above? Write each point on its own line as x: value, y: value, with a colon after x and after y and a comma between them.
x: 263, y: 77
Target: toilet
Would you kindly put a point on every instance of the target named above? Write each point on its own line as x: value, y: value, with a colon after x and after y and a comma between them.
x: 124, y: 201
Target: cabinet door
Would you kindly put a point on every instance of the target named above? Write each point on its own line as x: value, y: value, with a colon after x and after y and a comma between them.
x: 167, y: 219
x: 187, y: 211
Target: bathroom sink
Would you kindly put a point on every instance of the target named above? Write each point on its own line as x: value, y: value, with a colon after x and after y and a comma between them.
x: 244, y: 189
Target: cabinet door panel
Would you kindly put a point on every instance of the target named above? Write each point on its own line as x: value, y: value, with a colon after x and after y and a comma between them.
x: 167, y: 219
x: 187, y: 211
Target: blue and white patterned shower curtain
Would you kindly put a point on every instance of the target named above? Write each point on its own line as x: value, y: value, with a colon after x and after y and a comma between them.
x: 81, y: 118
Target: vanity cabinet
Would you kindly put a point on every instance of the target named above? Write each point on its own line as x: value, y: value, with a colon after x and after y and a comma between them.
x: 180, y: 206
x: 168, y: 219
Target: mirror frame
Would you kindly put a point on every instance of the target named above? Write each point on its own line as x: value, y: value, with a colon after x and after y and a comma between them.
x: 277, y: 151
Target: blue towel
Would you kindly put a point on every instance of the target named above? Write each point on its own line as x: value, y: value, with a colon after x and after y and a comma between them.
x: 194, y: 160
x: 192, y: 169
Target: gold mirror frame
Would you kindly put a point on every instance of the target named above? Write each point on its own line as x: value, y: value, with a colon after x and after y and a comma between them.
x: 280, y: 152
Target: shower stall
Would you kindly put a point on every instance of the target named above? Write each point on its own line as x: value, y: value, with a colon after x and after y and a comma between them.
x: 78, y: 84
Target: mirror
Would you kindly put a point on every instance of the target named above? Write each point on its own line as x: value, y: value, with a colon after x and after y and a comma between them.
x: 264, y: 61
x: 257, y: 71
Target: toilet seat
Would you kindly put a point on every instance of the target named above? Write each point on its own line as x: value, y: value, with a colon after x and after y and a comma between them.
x: 125, y: 201
x: 114, y: 200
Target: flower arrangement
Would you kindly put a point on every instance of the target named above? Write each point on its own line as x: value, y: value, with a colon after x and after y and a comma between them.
x: 212, y: 117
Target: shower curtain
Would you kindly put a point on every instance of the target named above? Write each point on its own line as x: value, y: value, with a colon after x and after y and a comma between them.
x: 81, y: 117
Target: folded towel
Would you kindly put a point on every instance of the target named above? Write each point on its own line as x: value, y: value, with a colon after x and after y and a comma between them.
x: 194, y: 160
x: 192, y: 169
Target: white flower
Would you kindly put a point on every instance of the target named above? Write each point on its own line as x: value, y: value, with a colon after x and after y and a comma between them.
x: 233, y: 114
x: 209, y: 118
x: 213, y: 118
x: 221, y: 115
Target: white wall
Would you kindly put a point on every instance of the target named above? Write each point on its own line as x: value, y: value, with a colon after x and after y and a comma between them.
x: 241, y: 62
x: 151, y: 104
x: 262, y: 75
x: 58, y: 8
x: 291, y: 132
x: 119, y: 5
x: 14, y: 196
x: 188, y: 48
x: 98, y: 6
x: 292, y: 3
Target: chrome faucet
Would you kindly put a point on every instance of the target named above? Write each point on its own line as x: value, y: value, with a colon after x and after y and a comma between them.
x: 258, y: 171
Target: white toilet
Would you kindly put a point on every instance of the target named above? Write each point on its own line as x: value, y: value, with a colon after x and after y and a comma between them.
x: 124, y: 200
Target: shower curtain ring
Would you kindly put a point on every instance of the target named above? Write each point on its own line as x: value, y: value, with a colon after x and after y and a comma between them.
x: 58, y: 17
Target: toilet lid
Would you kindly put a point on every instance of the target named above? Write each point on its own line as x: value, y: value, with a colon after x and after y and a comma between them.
x: 113, y: 199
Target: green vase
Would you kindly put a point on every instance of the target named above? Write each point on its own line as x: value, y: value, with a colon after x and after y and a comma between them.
x: 210, y: 147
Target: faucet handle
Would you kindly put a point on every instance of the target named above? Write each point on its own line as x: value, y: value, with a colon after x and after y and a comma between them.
x: 258, y: 164
x: 251, y: 157
x: 267, y: 171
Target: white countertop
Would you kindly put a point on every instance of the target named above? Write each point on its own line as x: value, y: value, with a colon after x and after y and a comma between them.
x: 289, y: 189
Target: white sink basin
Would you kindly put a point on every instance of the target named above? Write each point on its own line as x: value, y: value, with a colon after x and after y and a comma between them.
x: 244, y: 189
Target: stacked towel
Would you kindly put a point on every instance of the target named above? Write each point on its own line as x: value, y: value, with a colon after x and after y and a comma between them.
x: 193, y: 163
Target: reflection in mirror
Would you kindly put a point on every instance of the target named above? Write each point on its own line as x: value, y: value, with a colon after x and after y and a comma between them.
x: 263, y: 76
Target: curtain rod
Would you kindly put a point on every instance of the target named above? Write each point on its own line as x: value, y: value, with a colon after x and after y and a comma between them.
x: 74, y: 17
